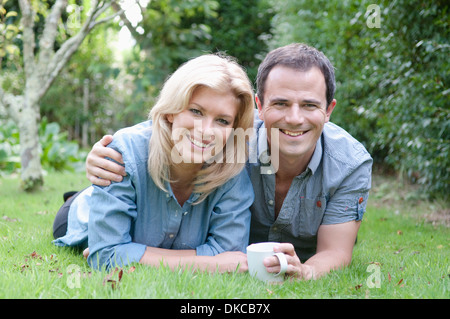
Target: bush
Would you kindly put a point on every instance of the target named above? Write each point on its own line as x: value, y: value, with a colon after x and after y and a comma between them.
x: 392, y: 81
x: 57, y: 153
x: 9, y: 147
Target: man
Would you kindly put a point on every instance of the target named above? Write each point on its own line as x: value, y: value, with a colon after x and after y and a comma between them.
x: 311, y: 178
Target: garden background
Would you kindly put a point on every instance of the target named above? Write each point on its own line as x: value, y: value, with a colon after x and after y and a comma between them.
x: 72, y: 71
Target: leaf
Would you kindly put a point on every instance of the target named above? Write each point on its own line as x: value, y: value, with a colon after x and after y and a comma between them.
x: 10, y: 219
x: 114, y: 283
x: 12, y: 28
x: 35, y: 255
x: 11, y: 14
x: 376, y: 263
x: 24, y: 267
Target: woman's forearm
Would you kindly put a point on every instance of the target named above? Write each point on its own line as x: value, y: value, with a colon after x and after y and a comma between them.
x: 188, y: 259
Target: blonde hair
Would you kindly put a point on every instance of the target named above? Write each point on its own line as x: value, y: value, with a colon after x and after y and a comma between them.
x: 214, y: 71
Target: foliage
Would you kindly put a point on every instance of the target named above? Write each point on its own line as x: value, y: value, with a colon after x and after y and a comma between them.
x: 57, y: 152
x: 392, y: 80
x: 240, y: 29
x: 174, y: 31
x: 9, y: 147
x: 8, y: 33
x: 64, y: 102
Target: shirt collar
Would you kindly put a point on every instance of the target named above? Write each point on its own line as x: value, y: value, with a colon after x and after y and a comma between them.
x: 264, y: 152
x: 170, y: 195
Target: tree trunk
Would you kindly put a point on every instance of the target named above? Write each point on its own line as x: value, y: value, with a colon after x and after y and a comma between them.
x: 31, y: 173
x: 40, y: 72
x: 85, y: 123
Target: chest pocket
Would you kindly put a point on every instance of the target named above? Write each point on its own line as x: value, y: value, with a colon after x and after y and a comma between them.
x: 311, y: 215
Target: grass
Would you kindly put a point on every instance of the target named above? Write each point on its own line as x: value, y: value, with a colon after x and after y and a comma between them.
x: 400, y: 253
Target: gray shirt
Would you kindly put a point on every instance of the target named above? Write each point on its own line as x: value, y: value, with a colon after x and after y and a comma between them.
x: 333, y: 189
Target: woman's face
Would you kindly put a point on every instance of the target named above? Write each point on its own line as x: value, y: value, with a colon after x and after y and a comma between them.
x: 202, y: 129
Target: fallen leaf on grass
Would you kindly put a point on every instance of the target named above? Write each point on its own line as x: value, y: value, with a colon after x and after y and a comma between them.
x: 35, y: 255
x: 111, y: 277
x: 24, y: 267
x: 114, y: 282
x: 358, y: 286
x: 399, y: 282
x: 375, y: 263
x: 399, y: 232
x: 8, y: 219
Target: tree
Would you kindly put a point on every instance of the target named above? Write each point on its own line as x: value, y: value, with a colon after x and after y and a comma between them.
x: 40, y: 70
x: 171, y: 32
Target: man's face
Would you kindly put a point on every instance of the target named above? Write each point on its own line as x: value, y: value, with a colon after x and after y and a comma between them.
x: 295, y: 104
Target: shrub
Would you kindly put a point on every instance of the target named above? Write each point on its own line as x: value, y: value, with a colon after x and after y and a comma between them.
x: 57, y: 153
x: 392, y: 81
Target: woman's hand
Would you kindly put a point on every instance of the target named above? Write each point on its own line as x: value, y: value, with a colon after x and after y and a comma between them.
x: 231, y: 261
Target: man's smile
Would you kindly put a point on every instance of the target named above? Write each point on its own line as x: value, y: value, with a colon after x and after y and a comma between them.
x: 292, y: 133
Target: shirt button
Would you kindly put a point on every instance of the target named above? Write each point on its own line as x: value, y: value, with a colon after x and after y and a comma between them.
x: 171, y: 236
x: 360, y: 200
x: 270, y: 202
x: 185, y: 213
x: 319, y: 203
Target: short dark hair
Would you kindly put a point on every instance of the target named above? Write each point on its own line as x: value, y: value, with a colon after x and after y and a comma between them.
x: 298, y: 56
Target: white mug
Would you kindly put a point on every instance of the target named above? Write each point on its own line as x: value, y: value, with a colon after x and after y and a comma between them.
x: 255, y: 256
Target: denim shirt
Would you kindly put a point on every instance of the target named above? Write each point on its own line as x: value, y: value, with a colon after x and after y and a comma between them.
x: 125, y: 217
x: 333, y: 189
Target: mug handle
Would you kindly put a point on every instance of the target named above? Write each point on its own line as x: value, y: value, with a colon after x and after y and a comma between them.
x: 283, y: 263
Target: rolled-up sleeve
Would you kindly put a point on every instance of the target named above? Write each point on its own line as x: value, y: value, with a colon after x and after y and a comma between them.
x: 349, y: 202
x: 113, y: 210
x: 229, y: 226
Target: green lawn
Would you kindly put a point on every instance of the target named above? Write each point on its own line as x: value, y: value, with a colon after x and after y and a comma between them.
x: 399, y: 254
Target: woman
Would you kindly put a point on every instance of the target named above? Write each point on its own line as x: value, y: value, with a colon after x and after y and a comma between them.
x: 185, y: 198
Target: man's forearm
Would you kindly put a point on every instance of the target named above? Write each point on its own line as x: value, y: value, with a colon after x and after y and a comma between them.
x: 323, y: 262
